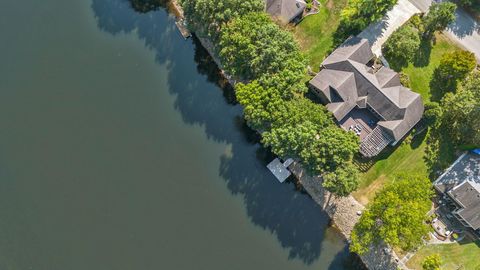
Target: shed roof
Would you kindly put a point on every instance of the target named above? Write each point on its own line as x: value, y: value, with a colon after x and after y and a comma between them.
x: 285, y: 10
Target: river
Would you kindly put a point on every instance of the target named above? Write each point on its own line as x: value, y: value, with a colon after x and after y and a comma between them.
x: 121, y: 149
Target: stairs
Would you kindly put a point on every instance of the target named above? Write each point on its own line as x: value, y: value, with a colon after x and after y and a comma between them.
x: 375, y: 142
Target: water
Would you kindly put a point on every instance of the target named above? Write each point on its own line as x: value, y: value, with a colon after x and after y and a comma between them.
x: 119, y: 150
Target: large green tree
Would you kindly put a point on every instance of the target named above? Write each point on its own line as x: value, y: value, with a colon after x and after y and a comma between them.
x: 343, y: 181
x: 360, y: 13
x: 454, y: 67
x: 396, y: 216
x: 439, y: 17
x: 253, y: 46
x: 207, y: 17
x: 319, y: 149
x: 461, y: 112
x: 261, y: 105
x: 402, y: 45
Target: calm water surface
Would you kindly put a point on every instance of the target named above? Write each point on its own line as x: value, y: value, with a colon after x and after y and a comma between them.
x: 119, y: 150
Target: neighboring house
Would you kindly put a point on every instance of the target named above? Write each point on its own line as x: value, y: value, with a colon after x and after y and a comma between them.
x: 285, y: 10
x: 366, y: 99
x: 460, y: 184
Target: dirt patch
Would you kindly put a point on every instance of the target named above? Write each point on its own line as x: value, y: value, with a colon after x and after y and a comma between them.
x: 365, y: 195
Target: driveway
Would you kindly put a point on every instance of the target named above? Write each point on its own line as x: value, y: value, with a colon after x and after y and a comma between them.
x: 378, y: 33
x: 466, y: 32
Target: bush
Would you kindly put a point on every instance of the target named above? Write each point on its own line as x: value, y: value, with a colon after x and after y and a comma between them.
x: 402, y: 44
x: 432, y: 262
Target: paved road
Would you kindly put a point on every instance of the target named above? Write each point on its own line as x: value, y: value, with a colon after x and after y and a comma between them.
x: 466, y: 32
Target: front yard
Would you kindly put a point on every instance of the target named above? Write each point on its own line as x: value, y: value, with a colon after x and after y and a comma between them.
x: 454, y: 256
x: 315, y: 32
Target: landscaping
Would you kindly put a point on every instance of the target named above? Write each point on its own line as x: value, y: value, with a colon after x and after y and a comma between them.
x: 453, y: 256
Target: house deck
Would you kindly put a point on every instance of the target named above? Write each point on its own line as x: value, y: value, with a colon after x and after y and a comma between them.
x: 360, y: 121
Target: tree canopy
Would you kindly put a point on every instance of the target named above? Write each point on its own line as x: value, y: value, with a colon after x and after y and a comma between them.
x: 454, y: 67
x: 396, y: 216
x: 461, y: 112
x: 439, y: 17
x: 343, y: 181
x: 252, y: 46
x: 207, y: 17
x: 360, y: 13
x: 402, y: 44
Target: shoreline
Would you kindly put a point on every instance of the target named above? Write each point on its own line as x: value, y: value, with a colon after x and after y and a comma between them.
x: 341, y: 211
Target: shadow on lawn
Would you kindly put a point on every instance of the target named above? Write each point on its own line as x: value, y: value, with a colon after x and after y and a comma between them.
x: 292, y: 217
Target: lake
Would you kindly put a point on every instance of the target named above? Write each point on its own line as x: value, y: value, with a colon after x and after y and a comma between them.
x: 121, y: 148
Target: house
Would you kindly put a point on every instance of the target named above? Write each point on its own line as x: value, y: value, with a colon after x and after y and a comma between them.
x: 285, y: 10
x: 460, y: 186
x: 366, y: 99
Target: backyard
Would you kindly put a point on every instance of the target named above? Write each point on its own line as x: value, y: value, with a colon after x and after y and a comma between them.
x: 454, y: 256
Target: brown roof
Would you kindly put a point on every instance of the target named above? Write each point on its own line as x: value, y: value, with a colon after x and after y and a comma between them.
x: 285, y: 10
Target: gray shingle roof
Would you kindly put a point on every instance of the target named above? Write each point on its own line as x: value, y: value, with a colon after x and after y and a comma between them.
x: 467, y: 195
x: 399, y: 107
x: 285, y: 10
x: 465, y: 168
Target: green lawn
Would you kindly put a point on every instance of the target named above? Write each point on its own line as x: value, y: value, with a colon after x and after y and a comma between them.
x: 421, y: 71
x: 454, y: 256
x: 315, y: 32
x: 406, y: 158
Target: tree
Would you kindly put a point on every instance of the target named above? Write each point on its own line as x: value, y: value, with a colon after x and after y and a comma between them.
x: 207, y: 17
x: 439, y: 17
x: 402, y: 45
x: 253, y: 46
x: 454, y: 67
x: 432, y: 262
x: 461, y: 112
x: 360, y: 13
x: 432, y: 113
x: 396, y: 216
x: 306, y: 131
x: 260, y: 105
x: 343, y: 181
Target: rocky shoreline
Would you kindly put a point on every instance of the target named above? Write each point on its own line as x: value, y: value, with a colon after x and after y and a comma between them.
x: 343, y: 211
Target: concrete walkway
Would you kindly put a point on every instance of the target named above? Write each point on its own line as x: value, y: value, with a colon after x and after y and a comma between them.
x: 466, y: 32
x: 378, y: 33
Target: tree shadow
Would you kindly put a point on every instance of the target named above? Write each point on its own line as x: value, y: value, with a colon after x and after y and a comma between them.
x: 464, y: 25
x: 297, y: 221
x: 422, y: 57
x: 418, y: 139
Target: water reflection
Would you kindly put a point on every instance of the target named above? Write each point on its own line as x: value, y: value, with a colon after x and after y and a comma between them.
x: 291, y: 216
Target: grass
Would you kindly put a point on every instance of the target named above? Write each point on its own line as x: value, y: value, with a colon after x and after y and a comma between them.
x: 315, y: 32
x: 407, y: 158
x: 421, y: 70
x: 454, y: 256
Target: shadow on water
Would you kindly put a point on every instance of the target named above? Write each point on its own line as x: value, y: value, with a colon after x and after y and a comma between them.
x: 292, y: 216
